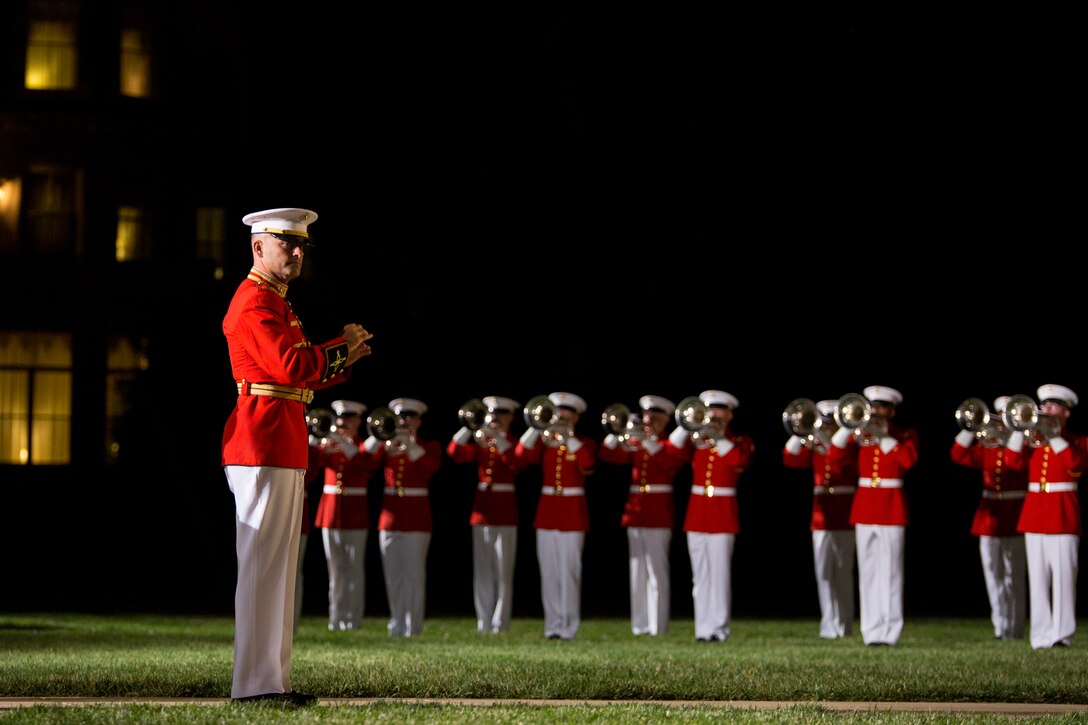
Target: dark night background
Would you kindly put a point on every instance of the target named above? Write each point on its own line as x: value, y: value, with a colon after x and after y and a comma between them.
x: 616, y: 205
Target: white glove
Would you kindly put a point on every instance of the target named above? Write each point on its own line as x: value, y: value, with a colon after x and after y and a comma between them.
x: 415, y: 452
x: 372, y: 444
x: 887, y: 443
x: 573, y: 444
x: 652, y: 447
x: 530, y: 438
x: 842, y: 437
x: 1058, y: 444
x: 965, y: 438
x: 345, y: 446
x: 794, y: 445
x: 679, y: 437
x: 462, y: 437
x: 1016, y: 441
x: 610, y: 441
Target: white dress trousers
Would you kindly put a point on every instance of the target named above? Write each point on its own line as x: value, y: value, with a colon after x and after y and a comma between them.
x: 1052, y: 583
x: 880, y: 581
x: 299, y: 584
x: 1004, y: 567
x: 345, y: 555
x: 494, y: 551
x: 648, y: 560
x: 712, y: 586
x: 268, y: 508
x: 404, y: 563
x: 833, y: 557
x: 559, y: 554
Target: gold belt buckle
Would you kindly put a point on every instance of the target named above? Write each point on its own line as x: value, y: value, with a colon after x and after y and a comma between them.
x: 558, y: 489
x: 1044, y: 487
x: 644, y: 488
x: 400, y: 491
x: 874, y: 482
x: 710, y: 490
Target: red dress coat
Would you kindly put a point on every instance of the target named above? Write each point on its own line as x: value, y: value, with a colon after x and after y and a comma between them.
x: 1004, y: 484
x: 267, y: 345
x: 496, y: 501
x: 406, y: 504
x: 343, y: 503
x: 876, y: 504
x: 1048, y: 511
x: 712, y: 504
x: 650, y: 500
x: 558, y: 508
x: 833, y: 484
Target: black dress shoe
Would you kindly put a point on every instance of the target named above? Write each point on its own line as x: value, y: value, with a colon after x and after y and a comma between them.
x: 295, y: 699
x: 554, y: 636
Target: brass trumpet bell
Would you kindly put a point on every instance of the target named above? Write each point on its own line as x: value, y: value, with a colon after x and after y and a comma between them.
x: 539, y: 412
x: 473, y: 414
x: 972, y: 414
x: 614, y: 419
x: 801, y: 418
x: 691, y: 413
x: 320, y: 421
x: 1021, y: 413
x: 853, y: 411
x: 382, y: 424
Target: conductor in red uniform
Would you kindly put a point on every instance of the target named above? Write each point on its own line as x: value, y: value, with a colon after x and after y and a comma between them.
x: 562, y: 515
x: 494, y: 517
x: 879, y: 514
x: 266, y: 442
x: 712, y: 520
x: 832, y: 534
x: 1000, y: 545
x: 1050, y: 521
x: 649, y: 514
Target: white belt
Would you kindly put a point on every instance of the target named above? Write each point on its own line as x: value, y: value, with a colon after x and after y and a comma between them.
x: 880, y: 483
x: 1003, y: 495
x: 833, y: 490
x: 652, y: 488
x: 497, y: 487
x: 563, y: 491
x: 712, y: 491
x: 390, y: 491
x: 341, y: 491
x: 1051, y: 487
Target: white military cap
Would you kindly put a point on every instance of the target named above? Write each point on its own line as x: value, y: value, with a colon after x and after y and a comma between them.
x: 827, y: 407
x: 1057, y: 392
x: 651, y: 402
x: 1000, y: 403
x: 407, y: 405
x: 719, y: 397
x: 568, y: 400
x: 347, y: 407
x: 495, y: 402
x: 881, y: 394
x: 281, y: 221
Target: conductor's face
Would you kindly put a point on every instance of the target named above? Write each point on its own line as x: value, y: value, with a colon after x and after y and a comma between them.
x: 281, y: 257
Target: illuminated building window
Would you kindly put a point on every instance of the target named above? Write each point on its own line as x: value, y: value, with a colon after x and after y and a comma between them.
x: 51, y: 210
x: 135, y: 64
x: 126, y: 368
x: 9, y: 215
x: 35, y: 398
x: 211, y: 232
x: 51, y: 48
x: 133, y: 242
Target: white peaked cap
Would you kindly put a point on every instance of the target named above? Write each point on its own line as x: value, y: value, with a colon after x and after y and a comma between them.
x: 1057, y: 392
x: 646, y: 402
x: 718, y: 397
x: 1000, y: 403
x: 568, y: 400
x: 281, y: 221
x: 495, y: 402
x: 347, y: 407
x: 407, y: 405
x: 880, y: 393
x: 827, y: 407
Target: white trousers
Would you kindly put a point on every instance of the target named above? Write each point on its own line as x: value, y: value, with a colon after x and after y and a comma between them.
x: 404, y: 563
x: 833, y: 558
x: 1004, y: 569
x: 268, y: 515
x: 298, y: 577
x: 712, y: 585
x: 1052, y: 583
x: 880, y: 582
x: 648, y: 560
x: 559, y: 554
x: 345, y: 555
x: 494, y: 551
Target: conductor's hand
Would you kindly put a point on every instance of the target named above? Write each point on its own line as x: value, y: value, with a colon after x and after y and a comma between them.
x: 356, y: 336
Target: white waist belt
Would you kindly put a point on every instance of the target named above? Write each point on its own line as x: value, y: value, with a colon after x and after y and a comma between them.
x: 880, y: 483
x: 833, y: 490
x: 341, y: 491
x: 1003, y: 495
x: 563, y: 491
x: 1051, y: 487
x: 390, y: 491
x: 498, y: 487
x: 711, y: 491
x: 652, y: 488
